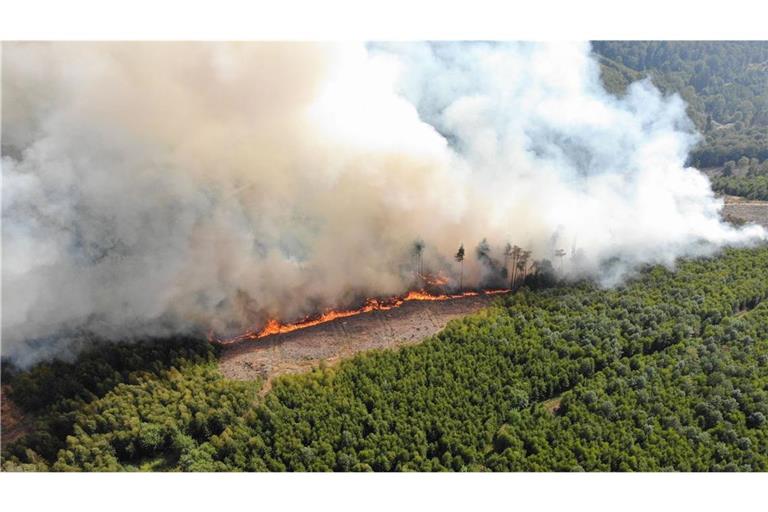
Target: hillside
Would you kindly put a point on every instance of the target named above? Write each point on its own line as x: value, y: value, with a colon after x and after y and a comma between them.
x: 725, y: 85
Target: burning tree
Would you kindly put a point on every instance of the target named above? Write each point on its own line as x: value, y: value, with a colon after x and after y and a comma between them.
x: 460, y: 258
x: 418, y: 250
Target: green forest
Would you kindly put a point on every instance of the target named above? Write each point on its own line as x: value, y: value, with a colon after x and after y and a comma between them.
x: 667, y: 372
x: 725, y: 85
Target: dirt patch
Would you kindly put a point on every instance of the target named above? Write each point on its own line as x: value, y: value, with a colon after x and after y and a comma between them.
x: 302, y: 350
x: 746, y: 210
x: 553, y: 405
x: 13, y: 423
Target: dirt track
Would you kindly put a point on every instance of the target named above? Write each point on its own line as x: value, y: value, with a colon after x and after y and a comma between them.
x: 748, y: 210
x: 300, y: 350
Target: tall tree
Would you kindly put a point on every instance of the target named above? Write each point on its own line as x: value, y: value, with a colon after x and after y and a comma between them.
x: 515, y: 253
x: 460, y: 258
x: 522, y: 264
x: 418, y: 250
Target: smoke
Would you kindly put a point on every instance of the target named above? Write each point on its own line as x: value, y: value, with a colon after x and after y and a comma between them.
x: 157, y: 188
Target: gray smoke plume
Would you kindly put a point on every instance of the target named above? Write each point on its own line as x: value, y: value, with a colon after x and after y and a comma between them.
x: 157, y: 188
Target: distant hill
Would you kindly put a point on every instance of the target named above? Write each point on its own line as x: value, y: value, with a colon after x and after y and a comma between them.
x: 724, y: 83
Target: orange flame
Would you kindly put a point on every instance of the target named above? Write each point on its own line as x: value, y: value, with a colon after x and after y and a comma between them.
x: 436, y: 280
x: 274, y: 326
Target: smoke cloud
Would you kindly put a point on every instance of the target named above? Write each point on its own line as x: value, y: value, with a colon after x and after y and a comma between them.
x: 158, y: 188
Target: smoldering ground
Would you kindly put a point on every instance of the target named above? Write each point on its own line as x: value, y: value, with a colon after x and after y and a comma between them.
x: 155, y: 188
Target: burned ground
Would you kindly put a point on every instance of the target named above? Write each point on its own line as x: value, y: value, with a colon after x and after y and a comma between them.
x: 301, y: 350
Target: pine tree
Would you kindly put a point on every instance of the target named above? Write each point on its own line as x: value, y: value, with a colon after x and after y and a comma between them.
x: 418, y: 250
x: 460, y: 258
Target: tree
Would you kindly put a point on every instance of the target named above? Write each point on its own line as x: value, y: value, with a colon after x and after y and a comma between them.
x: 483, y: 250
x: 460, y: 258
x: 418, y: 250
x: 560, y: 253
x: 507, y: 256
x: 522, y: 264
x: 543, y: 275
x: 516, y: 251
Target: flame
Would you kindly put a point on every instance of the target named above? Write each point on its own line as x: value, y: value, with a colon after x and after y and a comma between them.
x: 274, y: 326
x: 437, y: 280
x: 422, y: 295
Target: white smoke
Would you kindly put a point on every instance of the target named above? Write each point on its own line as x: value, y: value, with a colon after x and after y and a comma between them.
x: 562, y: 162
x: 158, y: 188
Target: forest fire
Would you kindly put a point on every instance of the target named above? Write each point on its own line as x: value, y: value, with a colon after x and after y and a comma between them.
x: 274, y: 326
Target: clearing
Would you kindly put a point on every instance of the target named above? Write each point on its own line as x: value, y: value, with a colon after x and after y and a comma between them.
x: 748, y: 210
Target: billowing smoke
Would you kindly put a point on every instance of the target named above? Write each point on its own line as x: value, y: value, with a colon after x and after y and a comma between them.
x: 159, y: 188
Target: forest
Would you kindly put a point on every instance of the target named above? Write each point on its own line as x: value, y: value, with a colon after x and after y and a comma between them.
x: 668, y: 372
x: 745, y: 177
x: 725, y: 85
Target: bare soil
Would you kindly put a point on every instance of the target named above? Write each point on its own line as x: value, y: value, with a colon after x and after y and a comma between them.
x: 301, y: 350
x: 553, y: 405
x: 748, y: 210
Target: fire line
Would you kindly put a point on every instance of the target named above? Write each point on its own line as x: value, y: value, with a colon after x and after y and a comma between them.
x: 274, y: 326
